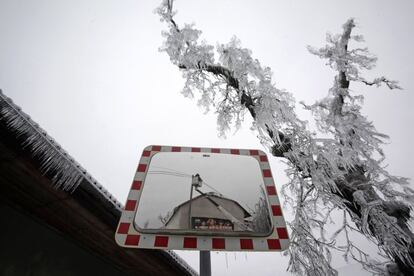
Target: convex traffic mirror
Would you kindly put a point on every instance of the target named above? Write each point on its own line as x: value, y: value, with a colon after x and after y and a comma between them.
x: 203, y: 198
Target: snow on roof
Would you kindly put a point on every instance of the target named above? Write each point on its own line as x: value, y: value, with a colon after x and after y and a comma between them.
x: 67, y: 172
x: 212, y: 194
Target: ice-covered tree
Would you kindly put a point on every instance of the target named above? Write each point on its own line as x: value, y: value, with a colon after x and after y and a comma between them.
x: 341, y: 173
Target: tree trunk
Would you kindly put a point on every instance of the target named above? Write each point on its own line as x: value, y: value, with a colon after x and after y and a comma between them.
x: 282, y: 147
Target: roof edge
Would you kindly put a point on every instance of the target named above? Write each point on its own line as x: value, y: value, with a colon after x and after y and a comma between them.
x: 67, y: 173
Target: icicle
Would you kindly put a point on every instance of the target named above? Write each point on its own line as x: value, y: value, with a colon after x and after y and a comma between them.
x: 65, y: 172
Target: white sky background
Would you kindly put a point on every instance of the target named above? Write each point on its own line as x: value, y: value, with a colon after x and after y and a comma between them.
x: 89, y: 72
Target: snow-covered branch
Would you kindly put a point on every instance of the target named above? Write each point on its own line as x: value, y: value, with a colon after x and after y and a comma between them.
x: 370, y: 185
x: 383, y: 80
x: 342, y: 172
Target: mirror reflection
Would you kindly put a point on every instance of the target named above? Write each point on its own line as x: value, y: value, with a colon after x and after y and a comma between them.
x: 203, y: 193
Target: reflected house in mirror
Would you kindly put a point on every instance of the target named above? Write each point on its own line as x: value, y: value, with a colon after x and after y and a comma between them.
x: 210, y: 212
x: 205, y: 193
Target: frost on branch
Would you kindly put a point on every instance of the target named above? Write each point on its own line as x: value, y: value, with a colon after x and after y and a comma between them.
x: 350, y: 61
x: 341, y: 172
x: 232, y: 84
x: 382, y: 212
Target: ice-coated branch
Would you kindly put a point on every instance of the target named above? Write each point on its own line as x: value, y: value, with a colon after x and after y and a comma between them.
x: 234, y: 82
x: 383, y: 80
x: 324, y: 172
x: 369, y: 186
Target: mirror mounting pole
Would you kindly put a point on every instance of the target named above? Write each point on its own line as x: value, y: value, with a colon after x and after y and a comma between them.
x: 195, y: 182
x: 205, y: 263
x: 189, y: 207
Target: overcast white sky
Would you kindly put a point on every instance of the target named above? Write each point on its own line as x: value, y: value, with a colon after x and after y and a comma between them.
x: 89, y: 72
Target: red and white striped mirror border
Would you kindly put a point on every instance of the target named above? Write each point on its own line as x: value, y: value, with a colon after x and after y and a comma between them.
x: 128, y: 236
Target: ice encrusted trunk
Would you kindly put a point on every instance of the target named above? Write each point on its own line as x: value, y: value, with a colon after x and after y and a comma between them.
x: 365, y: 187
x: 342, y: 172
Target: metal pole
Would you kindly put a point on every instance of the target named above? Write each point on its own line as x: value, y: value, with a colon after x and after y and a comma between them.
x: 205, y: 263
x: 189, y: 208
